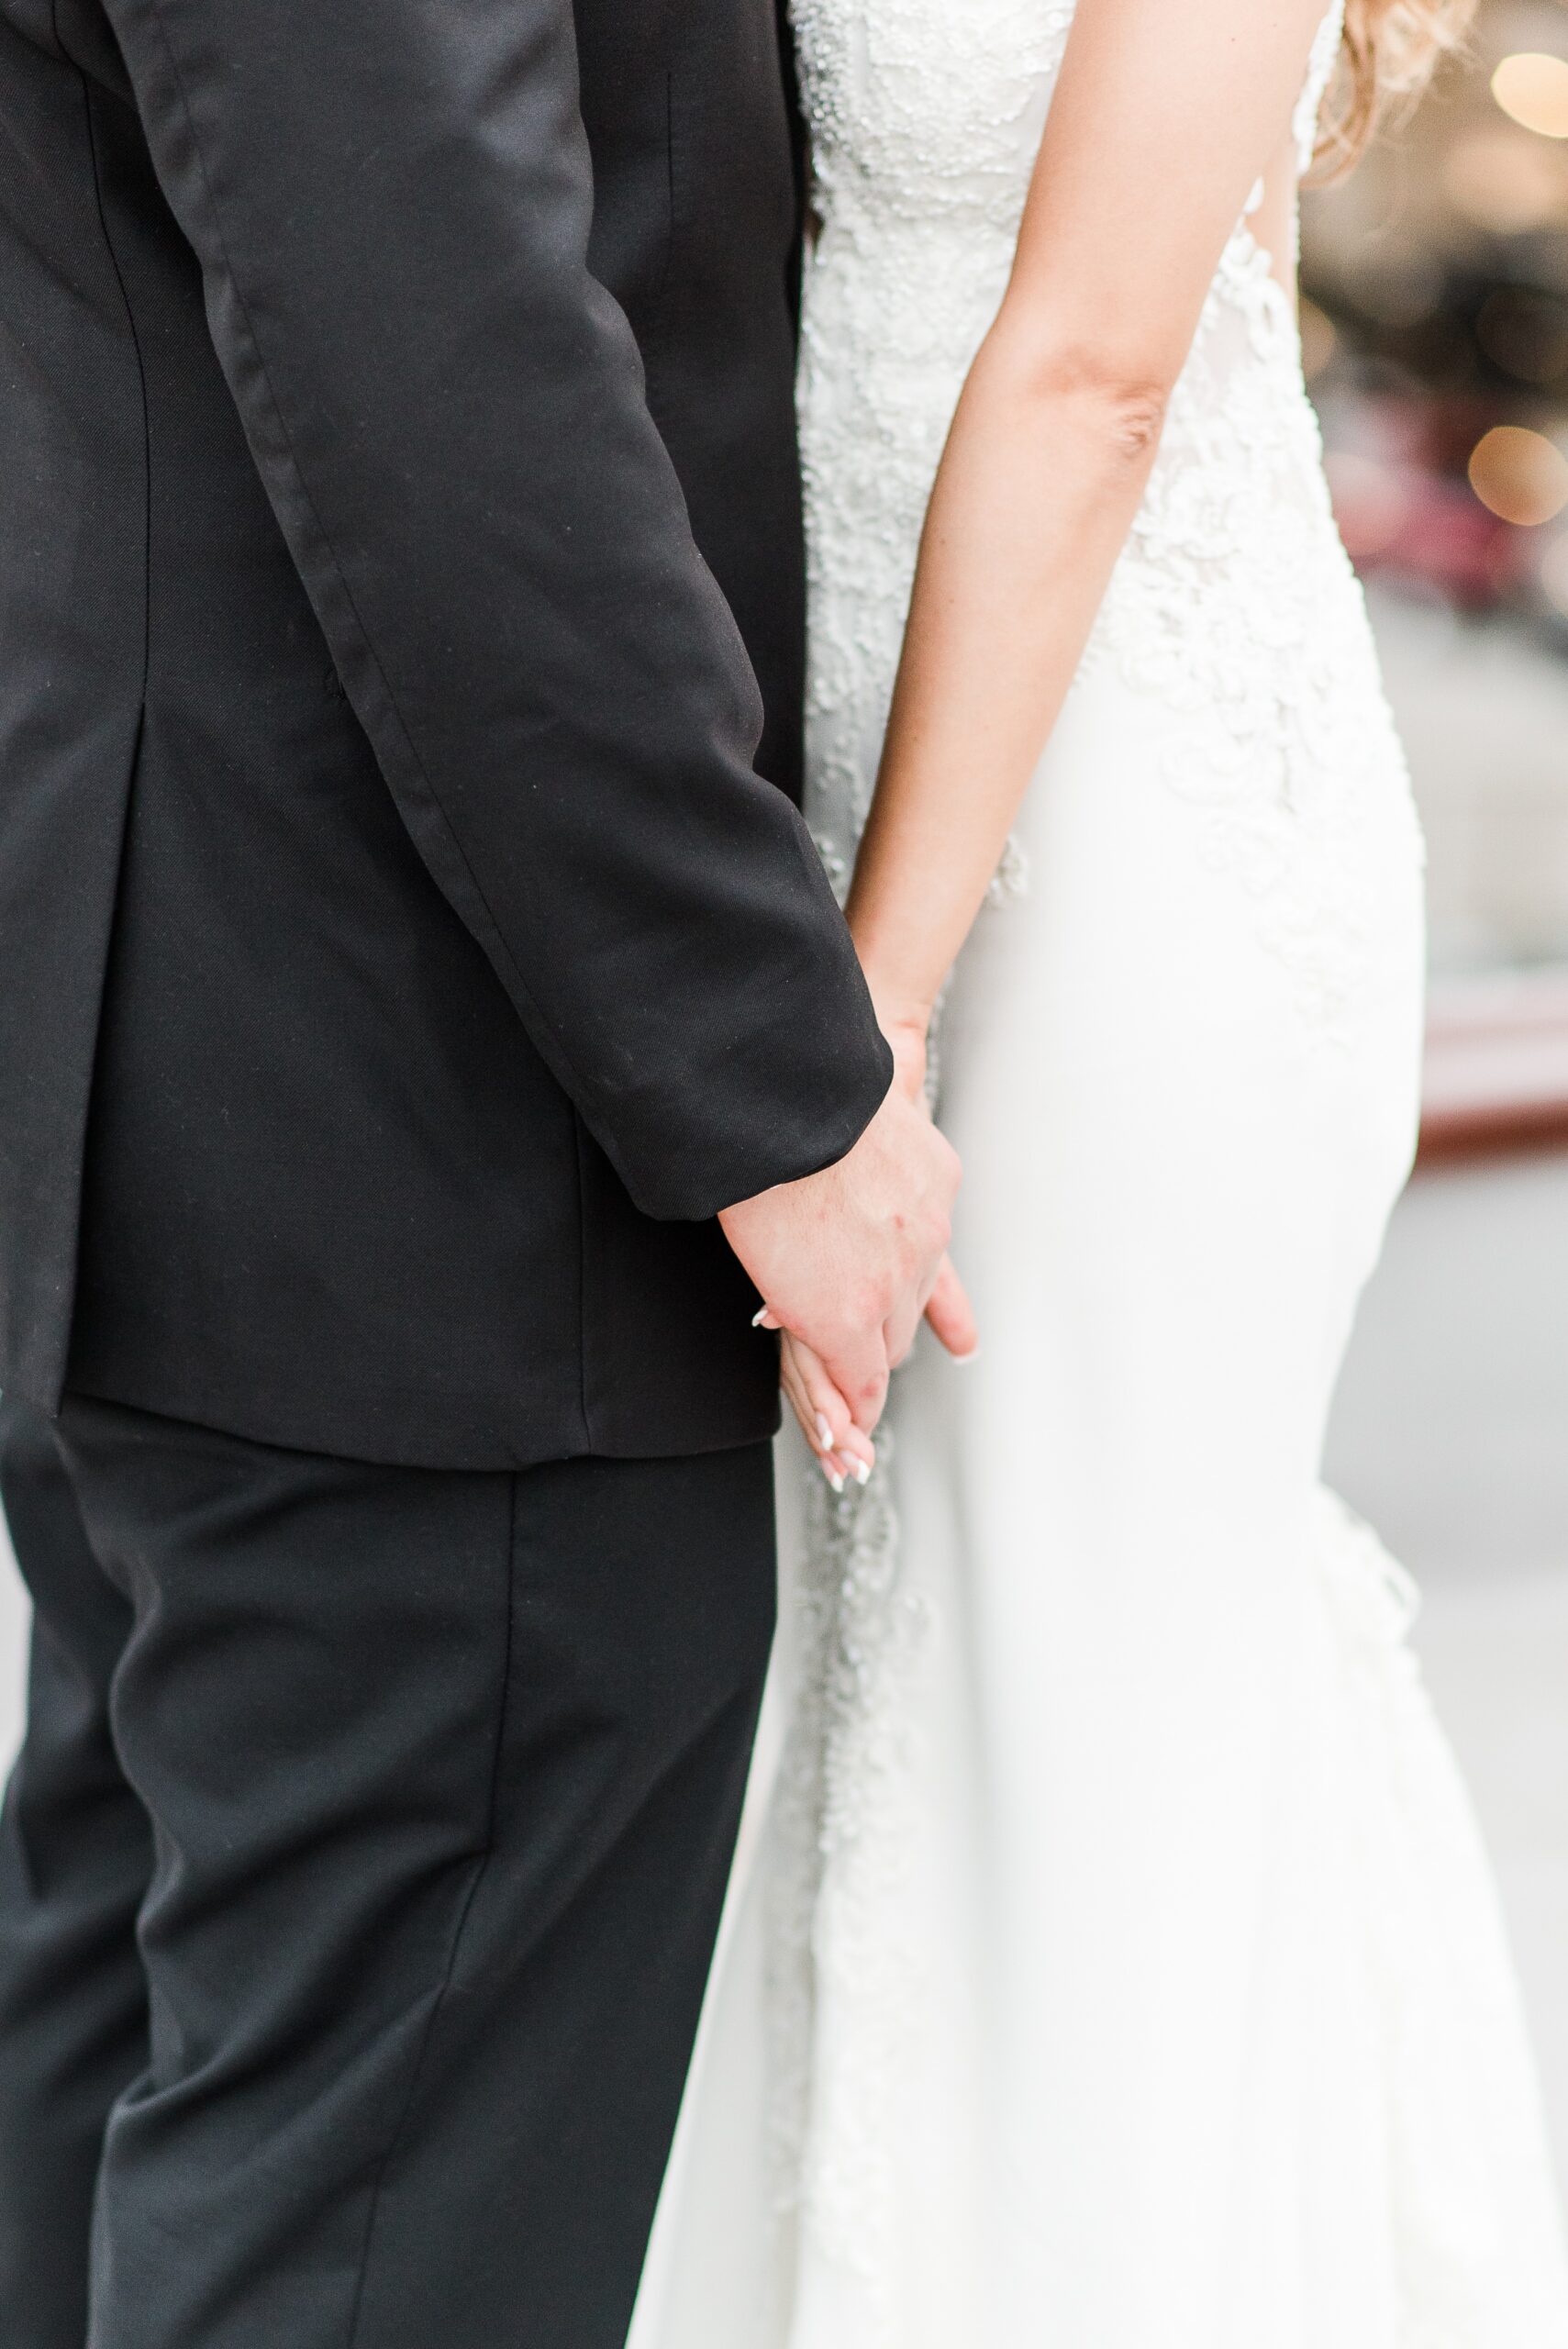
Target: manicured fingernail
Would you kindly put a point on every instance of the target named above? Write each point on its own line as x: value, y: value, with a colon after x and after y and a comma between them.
x: 833, y: 1477
x: 824, y: 1430
x: 760, y: 1316
x: 963, y: 1361
x: 862, y: 1472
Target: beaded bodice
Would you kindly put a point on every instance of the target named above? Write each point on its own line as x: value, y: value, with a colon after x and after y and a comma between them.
x: 1233, y: 598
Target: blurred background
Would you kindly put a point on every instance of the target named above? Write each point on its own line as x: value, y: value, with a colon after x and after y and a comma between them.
x: 1435, y: 336
x: 1436, y: 333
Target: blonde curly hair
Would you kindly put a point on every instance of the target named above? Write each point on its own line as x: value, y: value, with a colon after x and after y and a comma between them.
x: 1391, y: 49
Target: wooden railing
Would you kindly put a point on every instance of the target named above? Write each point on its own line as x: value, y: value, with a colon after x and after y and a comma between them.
x: 1496, y: 1069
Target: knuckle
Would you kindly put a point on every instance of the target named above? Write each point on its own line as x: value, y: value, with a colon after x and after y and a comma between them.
x: 872, y: 1300
x: 851, y: 1326
x: 935, y: 1233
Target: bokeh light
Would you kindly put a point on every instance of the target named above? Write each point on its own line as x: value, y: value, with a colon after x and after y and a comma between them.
x: 1531, y: 87
x: 1519, y: 475
x: 1505, y: 183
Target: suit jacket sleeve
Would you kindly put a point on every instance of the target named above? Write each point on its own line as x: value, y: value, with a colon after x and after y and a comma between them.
x: 391, y: 202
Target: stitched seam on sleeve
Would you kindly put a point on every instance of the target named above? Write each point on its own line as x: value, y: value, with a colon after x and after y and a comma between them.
x: 96, y: 166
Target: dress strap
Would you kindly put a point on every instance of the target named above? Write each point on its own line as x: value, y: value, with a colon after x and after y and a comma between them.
x: 1319, y: 73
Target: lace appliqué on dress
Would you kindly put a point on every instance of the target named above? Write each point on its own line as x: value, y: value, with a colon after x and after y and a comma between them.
x: 839, y: 1839
x: 918, y: 140
x: 1235, y: 602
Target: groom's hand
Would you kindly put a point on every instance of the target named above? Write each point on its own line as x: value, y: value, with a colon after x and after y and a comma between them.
x: 846, y: 1260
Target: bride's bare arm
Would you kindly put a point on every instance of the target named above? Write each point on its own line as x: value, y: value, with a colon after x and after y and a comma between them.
x: 1166, y: 113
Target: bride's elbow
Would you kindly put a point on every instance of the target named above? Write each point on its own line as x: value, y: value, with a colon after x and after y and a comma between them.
x: 1092, y: 393
x: 1135, y: 416
x: 1130, y: 417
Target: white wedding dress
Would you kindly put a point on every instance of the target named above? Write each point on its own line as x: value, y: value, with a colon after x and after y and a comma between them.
x: 1112, y: 1964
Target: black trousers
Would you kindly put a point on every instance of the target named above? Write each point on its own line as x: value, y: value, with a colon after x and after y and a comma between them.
x: 358, y: 1883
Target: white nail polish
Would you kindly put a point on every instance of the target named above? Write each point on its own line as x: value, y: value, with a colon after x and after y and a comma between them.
x: 760, y: 1316
x: 833, y: 1478
x: 823, y: 1429
x: 863, y: 1474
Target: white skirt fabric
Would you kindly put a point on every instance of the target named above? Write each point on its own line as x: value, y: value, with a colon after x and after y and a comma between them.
x: 1112, y: 1962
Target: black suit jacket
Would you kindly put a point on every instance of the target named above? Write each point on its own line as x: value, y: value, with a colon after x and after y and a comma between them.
x: 400, y: 959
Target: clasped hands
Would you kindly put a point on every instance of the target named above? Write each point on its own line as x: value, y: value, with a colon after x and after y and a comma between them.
x: 847, y: 1261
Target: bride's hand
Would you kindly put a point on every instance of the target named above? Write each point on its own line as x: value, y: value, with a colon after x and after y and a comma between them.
x: 843, y: 1451
x: 826, y: 1421
x: 948, y: 1309
x: 908, y: 1031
